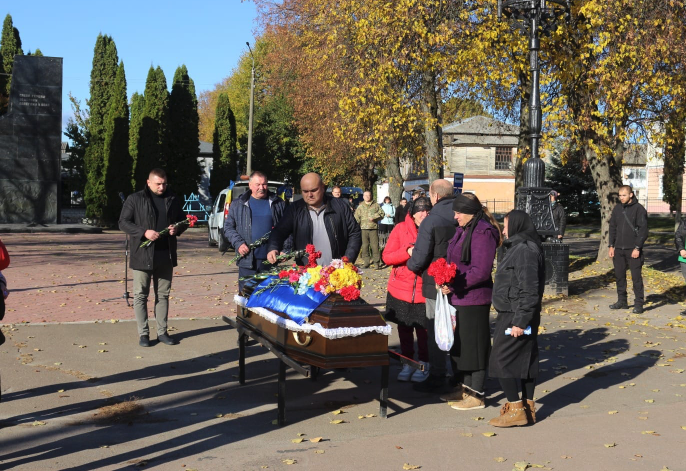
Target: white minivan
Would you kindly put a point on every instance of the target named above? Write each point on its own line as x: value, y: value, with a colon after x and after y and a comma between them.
x: 220, y: 211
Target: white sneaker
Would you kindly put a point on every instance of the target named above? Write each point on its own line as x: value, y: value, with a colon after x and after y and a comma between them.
x: 418, y: 376
x: 405, y: 373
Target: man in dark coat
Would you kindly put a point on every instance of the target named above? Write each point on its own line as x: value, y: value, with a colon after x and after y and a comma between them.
x: 144, y: 215
x: 434, y: 235
x: 251, y: 216
x: 628, y: 233
x: 318, y: 219
x: 400, y: 212
x: 559, y: 216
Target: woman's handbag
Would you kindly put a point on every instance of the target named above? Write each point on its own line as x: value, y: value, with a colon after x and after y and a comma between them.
x: 4, y: 257
x: 443, y: 322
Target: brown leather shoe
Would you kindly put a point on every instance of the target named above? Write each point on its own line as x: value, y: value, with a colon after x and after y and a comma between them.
x: 471, y: 401
x: 530, y: 409
x: 455, y: 395
x: 511, y: 414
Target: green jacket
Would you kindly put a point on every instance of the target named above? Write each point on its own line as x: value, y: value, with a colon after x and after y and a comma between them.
x: 365, y: 212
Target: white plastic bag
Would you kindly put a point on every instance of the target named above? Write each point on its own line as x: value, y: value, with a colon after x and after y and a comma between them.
x: 443, y: 322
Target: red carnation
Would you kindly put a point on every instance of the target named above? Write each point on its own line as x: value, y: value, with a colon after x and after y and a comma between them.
x: 442, y: 273
x: 283, y: 274
x: 350, y: 293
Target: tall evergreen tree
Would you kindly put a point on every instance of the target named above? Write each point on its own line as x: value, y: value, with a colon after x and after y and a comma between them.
x: 183, y: 167
x: 117, y: 162
x: 153, y: 143
x: 574, y: 182
x: 224, y: 146
x: 10, y: 46
x: 136, y: 122
x: 103, y: 76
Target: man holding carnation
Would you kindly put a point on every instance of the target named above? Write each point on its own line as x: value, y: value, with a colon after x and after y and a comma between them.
x: 320, y: 220
x: 251, y: 216
x: 144, y: 215
x: 433, y: 237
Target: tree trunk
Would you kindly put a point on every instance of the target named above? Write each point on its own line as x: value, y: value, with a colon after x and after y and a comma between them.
x: 524, y: 142
x: 395, y: 179
x: 368, y: 177
x: 607, y: 177
x: 432, y: 129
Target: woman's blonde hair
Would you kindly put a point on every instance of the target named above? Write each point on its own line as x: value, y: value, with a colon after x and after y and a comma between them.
x: 488, y: 215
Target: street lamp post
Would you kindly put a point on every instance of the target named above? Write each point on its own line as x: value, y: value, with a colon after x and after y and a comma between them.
x: 252, y: 101
x: 534, y: 17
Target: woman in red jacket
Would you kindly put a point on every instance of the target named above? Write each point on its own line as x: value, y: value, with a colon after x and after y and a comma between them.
x: 404, y: 301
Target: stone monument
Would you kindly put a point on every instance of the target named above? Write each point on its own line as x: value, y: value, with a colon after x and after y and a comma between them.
x: 30, y: 140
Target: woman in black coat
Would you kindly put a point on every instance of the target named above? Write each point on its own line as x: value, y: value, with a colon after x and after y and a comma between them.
x: 517, y: 293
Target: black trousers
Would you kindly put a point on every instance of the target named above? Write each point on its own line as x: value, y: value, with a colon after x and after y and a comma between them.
x: 622, y: 260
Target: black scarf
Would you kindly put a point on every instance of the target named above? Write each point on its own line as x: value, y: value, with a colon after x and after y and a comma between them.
x: 520, y: 228
x: 464, y: 205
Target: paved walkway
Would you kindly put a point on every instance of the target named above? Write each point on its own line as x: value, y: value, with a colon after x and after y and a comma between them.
x: 84, y: 396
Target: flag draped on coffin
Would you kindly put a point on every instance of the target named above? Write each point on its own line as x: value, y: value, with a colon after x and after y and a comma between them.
x: 283, y: 299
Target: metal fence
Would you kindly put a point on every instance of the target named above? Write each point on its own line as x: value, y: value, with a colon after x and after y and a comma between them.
x: 499, y: 206
x: 657, y: 206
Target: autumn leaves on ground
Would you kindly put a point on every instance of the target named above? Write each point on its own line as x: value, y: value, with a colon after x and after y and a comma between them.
x: 84, y: 396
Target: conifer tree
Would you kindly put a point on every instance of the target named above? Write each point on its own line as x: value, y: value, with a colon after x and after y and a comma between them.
x: 103, y: 76
x: 136, y: 121
x: 153, y: 137
x: 117, y: 161
x: 10, y: 46
x: 183, y: 167
x: 223, y: 146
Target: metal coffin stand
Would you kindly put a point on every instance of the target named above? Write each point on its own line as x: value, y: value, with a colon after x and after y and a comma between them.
x: 307, y: 353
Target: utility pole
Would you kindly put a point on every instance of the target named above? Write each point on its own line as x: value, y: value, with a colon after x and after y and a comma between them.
x: 252, y: 102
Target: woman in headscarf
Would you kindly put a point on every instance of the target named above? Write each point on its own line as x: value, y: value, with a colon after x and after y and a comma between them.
x: 472, y: 249
x: 404, y: 301
x: 517, y: 294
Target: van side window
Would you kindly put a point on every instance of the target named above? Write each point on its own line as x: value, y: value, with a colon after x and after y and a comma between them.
x: 220, y: 204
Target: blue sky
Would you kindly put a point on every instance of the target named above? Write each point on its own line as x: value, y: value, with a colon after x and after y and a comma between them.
x: 207, y: 35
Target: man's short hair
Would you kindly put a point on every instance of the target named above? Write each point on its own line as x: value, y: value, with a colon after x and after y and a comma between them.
x: 441, y: 188
x: 336, y: 188
x: 417, y: 193
x: 627, y: 188
x: 157, y: 172
x: 403, y: 199
x: 257, y: 173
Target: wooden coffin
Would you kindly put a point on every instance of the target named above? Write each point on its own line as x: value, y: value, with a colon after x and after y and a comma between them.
x: 370, y: 349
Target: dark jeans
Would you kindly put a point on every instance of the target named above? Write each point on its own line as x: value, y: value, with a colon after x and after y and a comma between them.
x: 370, y: 239
x: 622, y: 260
x: 257, y: 267
x: 406, y: 335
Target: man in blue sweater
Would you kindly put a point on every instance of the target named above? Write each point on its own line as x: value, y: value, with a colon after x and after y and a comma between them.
x: 251, y: 216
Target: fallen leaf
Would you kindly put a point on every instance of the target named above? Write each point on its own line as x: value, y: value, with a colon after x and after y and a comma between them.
x: 297, y: 440
x: 610, y: 445
x: 60, y: 390
x: 369, y: 416
x: 488, y: 434
x: 319, y: 452
x: 410, y: 466
x: 289, y: 461
x: 316, y: 439
x: 650, y: 401
x: 104, y: 446
x: 521, y: 465
x: 339, y: 421
x: 648, y: 432
x: 466, y: 434
x: 477, y: 418
x: 38, y: 423
x: 500, y: 459
x: 612, y: 412
x: 336, y: 412
x: 565, y: 457
x: 102, y: 351
x: 300, y: 434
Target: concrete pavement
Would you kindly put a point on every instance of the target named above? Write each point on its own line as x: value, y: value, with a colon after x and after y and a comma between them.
x: 83, y: 395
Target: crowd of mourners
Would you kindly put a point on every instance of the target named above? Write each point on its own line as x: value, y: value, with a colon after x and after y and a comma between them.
x: 417, y: 233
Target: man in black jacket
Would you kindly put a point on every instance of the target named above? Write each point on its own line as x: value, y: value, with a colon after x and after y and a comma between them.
x: 434, y: 235
x: 317, y: 219
x: 559, y: 216
x: 628, y: 233
x: 144, y: 215
x: 680, y: 243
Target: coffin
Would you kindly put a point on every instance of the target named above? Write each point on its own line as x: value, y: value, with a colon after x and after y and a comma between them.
x: 368, y: 349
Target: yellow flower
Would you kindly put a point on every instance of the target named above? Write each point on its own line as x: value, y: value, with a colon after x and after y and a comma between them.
x: 315, y: 275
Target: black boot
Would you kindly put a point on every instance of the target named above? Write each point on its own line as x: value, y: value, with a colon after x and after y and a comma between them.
x: 638, y: 309
x: 619, y: 305
x: 144, y: 341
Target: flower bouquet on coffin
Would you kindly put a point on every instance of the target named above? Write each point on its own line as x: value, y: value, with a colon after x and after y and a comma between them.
x: 189, y: 221
x: 299, y: 290
x: 445, y: 318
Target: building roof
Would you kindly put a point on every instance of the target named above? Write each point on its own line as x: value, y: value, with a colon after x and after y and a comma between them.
x: 205, y: 149
x: 635, y: 154
x: 480, y: 130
